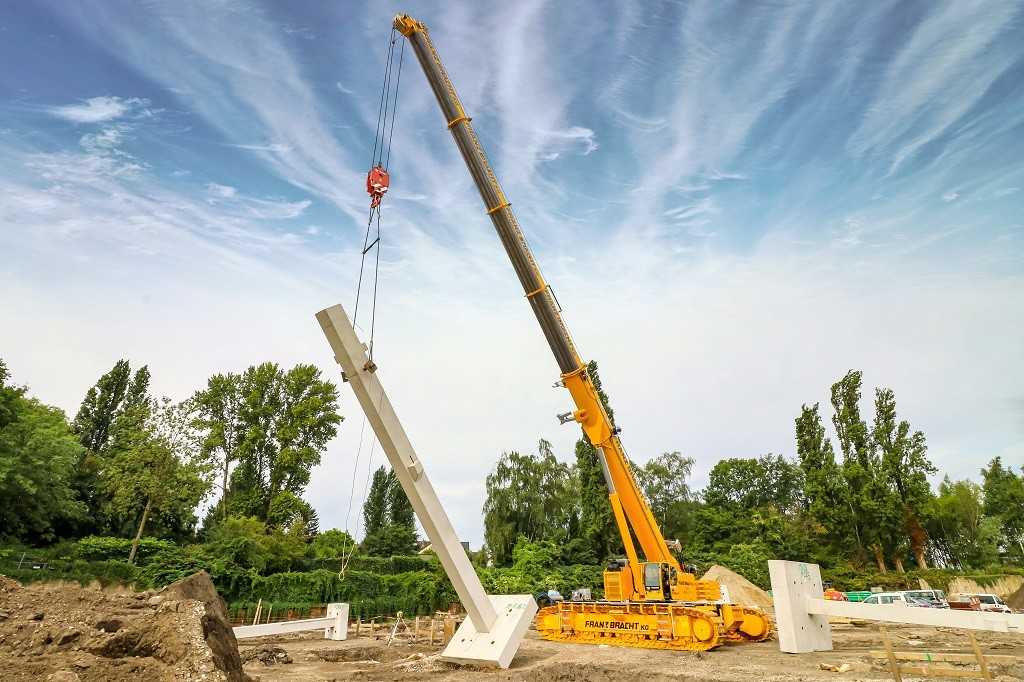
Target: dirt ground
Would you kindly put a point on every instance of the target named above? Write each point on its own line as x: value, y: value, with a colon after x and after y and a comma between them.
x: 61, y: 632
x: 316, y: 659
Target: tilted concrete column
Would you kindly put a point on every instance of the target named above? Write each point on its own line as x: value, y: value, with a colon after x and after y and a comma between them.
x: 496, y: 624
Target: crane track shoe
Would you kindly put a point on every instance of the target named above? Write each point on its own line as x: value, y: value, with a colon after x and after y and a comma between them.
x: 643, y: 625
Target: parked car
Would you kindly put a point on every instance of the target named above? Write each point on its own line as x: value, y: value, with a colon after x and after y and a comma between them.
x: 963, y: 602
x: 548, y: 598
x: 936, y: 597
x: 989, y: 602
x: 898, y: 598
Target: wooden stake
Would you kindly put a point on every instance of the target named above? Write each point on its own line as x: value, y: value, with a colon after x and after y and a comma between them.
x: 256, y: 616
x: 359, y: 621
x: 981, y: 658
x: 894, y: 667
x: 416, y: 630
x: 270, y: 607
x: 433, y: 627
x: 449, y: 631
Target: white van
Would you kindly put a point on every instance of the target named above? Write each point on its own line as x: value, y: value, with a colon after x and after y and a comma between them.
x: 898, y: 598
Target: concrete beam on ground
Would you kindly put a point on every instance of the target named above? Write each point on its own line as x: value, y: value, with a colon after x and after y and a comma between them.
x: 802, y: 612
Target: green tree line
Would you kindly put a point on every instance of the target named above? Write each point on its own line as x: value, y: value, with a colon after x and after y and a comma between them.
x: 866, y: 504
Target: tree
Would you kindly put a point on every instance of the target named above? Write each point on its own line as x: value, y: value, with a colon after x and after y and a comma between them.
x: 375, y: 507
x: 905, y: 465
x: 825, y: 488
x: 291, y: 512
x: 390, y: 541
x: 150, y: 461
x: 874, y: 513
x: 332, y: 544
x: 99, y: 408
x: 664, y: 484
x: 753, y: 483
x: 960, y: 533
x: 9, y: 397
x: 275, y: 425
x: 219, y: 414
x: 1004, y: 501
x: 114, y: 393
x: 389, y: 522
x: 527, y: 495
x: 38, y: 453
x: 400, y: 511
x: 596, y: 522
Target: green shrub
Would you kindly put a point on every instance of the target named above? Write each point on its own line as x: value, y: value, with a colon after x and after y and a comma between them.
x: 95, y: 548
x: 82, y: 572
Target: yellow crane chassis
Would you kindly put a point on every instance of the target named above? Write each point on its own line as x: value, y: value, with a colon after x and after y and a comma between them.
x: 662, y: 625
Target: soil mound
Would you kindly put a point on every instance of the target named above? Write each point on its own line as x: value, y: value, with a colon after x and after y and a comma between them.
x: 61, y: 631
x: 741, y: 590
x: 1016, y: 600
x: 1003, y: 586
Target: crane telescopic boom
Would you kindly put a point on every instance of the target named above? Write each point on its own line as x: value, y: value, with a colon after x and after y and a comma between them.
x: 651, y: 603
x: 630, y: 508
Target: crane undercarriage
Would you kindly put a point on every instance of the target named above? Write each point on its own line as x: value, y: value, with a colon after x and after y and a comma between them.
x: 680, y: 626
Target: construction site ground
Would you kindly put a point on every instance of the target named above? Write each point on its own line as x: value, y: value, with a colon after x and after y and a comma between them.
x: 367, y: 659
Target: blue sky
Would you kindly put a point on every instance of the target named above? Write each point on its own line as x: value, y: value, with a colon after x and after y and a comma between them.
x: 735, y: 202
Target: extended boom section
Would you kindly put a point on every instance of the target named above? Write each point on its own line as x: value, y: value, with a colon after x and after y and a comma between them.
x: 673, y: 595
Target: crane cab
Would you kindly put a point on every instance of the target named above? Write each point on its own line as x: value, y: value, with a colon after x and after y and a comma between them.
x: 656, y: 581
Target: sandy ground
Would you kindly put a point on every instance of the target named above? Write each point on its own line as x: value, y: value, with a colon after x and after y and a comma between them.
x: 316, y: 659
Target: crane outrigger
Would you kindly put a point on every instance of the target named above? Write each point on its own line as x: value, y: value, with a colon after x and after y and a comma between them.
x: 650, y: 601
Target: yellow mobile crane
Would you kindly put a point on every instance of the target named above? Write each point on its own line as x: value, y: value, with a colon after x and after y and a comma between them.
x: 652, y: 602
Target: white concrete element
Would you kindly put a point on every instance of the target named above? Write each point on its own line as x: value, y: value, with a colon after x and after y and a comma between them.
x: 334, y: 625
x: 499, y: 644
x: 801, y: 611
x: 338, y: 630
x: 488, y: 635
x: 799, y: 631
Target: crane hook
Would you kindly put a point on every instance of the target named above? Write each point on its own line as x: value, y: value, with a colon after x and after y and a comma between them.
x: 377, y: 181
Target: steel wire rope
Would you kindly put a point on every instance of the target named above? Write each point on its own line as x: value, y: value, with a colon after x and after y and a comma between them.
x: 383, y: 126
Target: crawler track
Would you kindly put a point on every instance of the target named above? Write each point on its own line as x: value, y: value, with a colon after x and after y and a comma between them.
x: 646, y: 626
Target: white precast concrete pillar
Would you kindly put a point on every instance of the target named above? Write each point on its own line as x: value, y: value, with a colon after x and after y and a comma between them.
x: 338, y: 630
x: 496, y: 625
x: 802, y: 612
x: 800, y: 632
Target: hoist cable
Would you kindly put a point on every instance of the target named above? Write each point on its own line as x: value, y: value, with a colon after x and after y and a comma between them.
x: 362, y: 264
x: 383, y: 94
x: 347, y: 552
x: 376, y: 276
x: 380, y: 156
x: 394, y: 109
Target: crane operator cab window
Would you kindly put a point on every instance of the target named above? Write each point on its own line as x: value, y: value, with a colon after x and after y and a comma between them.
x: 654, y: 581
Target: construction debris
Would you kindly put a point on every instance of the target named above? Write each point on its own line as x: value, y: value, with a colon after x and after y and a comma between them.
x: 741, y: 590
x: 266, y: 654
x: 59, y: 631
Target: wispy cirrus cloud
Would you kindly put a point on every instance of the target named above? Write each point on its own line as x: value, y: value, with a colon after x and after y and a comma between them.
x: 100, y: 109
x: 690, y: 174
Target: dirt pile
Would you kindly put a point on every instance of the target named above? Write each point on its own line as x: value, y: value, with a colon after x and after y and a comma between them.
x: 1016, y: 600
x: 741, y: 590
x: 66, y: 632
x: 1003, y: 586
